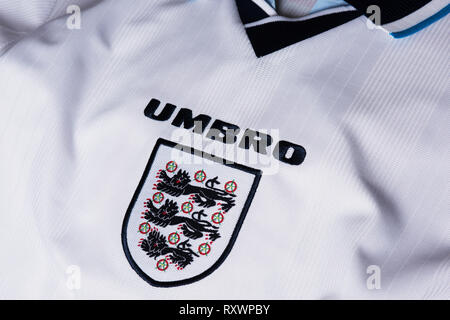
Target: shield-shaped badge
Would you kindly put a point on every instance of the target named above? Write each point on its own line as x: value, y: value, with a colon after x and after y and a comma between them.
x: 185, y: 214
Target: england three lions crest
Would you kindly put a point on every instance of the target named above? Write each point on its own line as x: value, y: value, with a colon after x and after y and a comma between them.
x: 185, y: 214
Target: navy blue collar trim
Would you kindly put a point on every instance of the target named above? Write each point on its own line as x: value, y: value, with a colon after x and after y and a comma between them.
x: 268, y: 36
x: 272, y: 36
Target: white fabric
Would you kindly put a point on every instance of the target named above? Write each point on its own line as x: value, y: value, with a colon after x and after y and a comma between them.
x: 372, y: 113
x: 301, y: 8
x: 291, y: 8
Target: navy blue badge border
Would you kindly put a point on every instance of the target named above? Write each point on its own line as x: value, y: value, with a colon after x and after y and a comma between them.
x: 166, y: 284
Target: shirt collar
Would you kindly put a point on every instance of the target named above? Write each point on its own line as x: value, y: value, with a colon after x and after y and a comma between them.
x: 268, y: 32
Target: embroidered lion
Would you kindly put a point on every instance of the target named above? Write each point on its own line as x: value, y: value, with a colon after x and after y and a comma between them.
x: 179, y: 184
x: 192, y: 228
x: 155, y: 245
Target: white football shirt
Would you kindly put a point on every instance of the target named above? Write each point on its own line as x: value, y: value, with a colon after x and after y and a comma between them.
x: 219, y: 149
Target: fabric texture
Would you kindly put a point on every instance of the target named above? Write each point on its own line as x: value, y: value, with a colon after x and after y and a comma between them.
x: 371, y: 112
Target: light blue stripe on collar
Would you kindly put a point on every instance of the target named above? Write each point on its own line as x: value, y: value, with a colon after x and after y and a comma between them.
x: 326, y: 4
x: 272, y: 3
x: 423, y: 24
x: 318, y: 6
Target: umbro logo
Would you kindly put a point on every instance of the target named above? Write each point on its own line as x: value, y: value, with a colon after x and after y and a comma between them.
x: 225, y: 132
